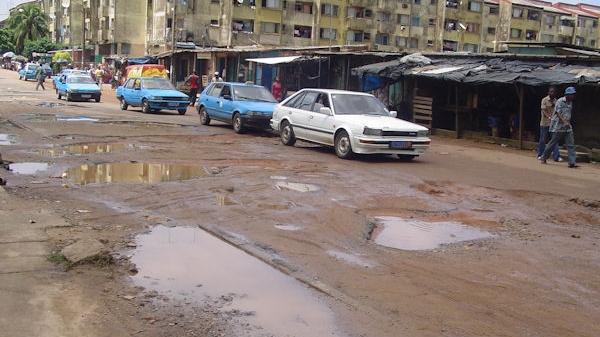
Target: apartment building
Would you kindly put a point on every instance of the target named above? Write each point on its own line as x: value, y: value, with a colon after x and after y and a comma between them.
x: 585, y: 24
x: 66, y: 20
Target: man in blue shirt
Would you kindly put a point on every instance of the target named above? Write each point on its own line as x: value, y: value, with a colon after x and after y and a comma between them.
x: 560, y: 126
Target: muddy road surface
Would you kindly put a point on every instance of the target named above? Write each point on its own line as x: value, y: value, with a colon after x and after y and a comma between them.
x: 197, y: 231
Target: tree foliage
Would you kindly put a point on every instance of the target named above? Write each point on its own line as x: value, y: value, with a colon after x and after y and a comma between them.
x: 6, y: 41
x: 27, y: 24
x: 62, y: 55
x: 42, y: 45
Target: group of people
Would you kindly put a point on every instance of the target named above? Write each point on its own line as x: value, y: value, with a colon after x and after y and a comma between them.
x: 555, y: 126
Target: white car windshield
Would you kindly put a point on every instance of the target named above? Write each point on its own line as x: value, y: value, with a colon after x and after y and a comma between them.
x: 81, y: 80
x: 349, y: 104
x: 32, y: 67
x: 158, y: 83
x: 251, y: 93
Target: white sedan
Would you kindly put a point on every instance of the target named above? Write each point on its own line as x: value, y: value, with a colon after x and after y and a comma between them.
x: 352, y: 122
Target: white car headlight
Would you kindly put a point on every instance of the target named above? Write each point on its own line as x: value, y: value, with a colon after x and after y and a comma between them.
x: 254, y: 113
x: 423, y: 133
x: 372, y: 132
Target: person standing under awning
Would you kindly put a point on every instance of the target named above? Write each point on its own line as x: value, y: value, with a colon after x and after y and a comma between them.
x: 560, y: 126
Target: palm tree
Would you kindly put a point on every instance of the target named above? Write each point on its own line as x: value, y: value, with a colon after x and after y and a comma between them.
x: 28, y: 23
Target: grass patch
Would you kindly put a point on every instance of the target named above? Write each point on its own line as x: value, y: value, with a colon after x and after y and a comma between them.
x: 57, y: 257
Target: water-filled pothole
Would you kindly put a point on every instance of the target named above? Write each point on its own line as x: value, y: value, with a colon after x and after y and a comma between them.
x: 28, y: 168
x: 133, y: 173
x: 296, y: 187
x: 174, y: 261
x: 6, y: 139
x: 90, y: 148
x: 410, y: 234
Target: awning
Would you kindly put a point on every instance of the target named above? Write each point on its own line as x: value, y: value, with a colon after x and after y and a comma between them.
x: 275, y: 60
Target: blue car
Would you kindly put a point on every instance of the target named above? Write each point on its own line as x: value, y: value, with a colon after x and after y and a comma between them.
x: 78, y: 87
x: 28, y: 72
x: 152, y: 94
x: 66, y: 72
x: 242, y: 105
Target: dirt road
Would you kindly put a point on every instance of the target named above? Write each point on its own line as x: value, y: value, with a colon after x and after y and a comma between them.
x: 217, y: 234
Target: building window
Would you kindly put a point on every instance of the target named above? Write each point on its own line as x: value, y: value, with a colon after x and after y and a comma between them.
x: 126, y: 48
x: 579, y: 41
x: 358, y: 12
x: 493, y: 10
x: 401, y: 42
x: 450, y: 25
x: 214, y: 23
x: 433, y: 2
x: 352, y: 36
x: 533, y: 15
x: 452, y: 4
x: 593, y: 43
x: 470, y: 47
x: 594, y: 23
x: 517, y: 12
x: 567, y: 23
x: 403, y: 19
x: 270, y: 27
x: 413, y: 43
x: 491, y: 30
x: 215, y: 1
x: 429, y: 43
x: 329, y: 10
x: 549, y: 19
x: 547, y: 38
x: 431, y: 21
x: 271, y: 3
x: 304, y: 32
x: 328, y: 33
x: 303, y: 7
x: 472, y: 27
x: 367, y: 36
x: 382, y: 39
x: 489, y: 50
x: 475, y: 6
x: 415, y: 21
x: 531, y: 35
x: 242, y: 26
x: 515, y: 33
x: 450, y: 45
x: 383, y: 16
x: 417, y: 2
x: 581, y: 22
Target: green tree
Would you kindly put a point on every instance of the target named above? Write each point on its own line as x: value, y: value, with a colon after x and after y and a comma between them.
x: 62, y: 55
x: 6, y: 41
x: 42, y: 45
x: 28, y: 23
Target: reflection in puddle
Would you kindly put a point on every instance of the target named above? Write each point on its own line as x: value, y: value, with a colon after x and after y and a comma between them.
x: 292, y: 228
x: 76, y: 119
x: 223, y: 200
x: 7, y: 139
x: 28, y: 168
x: 174, y: 261
x: 298, y: 187
x: 350, y: 258
x: 85, y: 149
x: 409, y: 234
x: 133, y: 173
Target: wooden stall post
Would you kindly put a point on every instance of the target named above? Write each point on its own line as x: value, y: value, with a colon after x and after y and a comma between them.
x: 456, y: 118
x: 521, y: 99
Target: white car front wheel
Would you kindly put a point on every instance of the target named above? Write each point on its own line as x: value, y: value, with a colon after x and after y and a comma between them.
x: 343, y: 147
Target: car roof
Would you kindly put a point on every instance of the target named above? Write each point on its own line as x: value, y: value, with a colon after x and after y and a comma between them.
x: 336, y: 91
x: 240, y: 84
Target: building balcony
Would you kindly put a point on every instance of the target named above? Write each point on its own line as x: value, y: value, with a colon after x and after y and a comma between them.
x: 244, y: 12
x: 103, y: 34
x: 103, y: 11
x: 360, y: 23
x: 299, y: 18
x: 363, y: 3
x: 386, y: 27
x: 565, y: 30
x: 270, y: 39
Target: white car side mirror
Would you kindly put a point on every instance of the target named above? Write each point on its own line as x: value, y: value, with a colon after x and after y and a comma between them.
x: 394, y: 114
x: 326, y: 111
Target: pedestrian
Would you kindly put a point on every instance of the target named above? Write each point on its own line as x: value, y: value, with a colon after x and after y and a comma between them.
x: 99, y: 73
x: 194, y: 81
x: 560, y: 126
x: 40, y: 76
x: 547, y: 109
x: 216, y: 77
x: 276, y: 89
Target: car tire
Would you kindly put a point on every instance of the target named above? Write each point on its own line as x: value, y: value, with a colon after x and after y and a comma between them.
x: 182, y: 111
x: 97, y: 99
x: 287, y: 134
x: 406, y: 157
x: 58, y: 95
x: 69, y: 98
x: 124, y: 104
x: 343, y: 146
x: 146, y: 107
x: 204, y: 117
x: 238, y: 124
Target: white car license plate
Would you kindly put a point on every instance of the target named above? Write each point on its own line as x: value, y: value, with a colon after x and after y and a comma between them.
x: 400, y: 145
x: 173, y: 104
x: 86, y: 96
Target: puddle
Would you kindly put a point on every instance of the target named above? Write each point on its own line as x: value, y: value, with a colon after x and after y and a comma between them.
x: 28, y: 168
x: 50, y: 105
x: 223, y: 200
x: 6, y: 139
x: 85, y: 149
x: 76, y: 119
x: 409, y: 234
x: 298, y: 187
x: 350, y: 258
x: 278, y: 178
x: 292, y: 228
x: 133, y: 173
x: 176, y: 261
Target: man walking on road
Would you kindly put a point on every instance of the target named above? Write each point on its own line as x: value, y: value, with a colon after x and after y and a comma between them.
x: 40, y: 76
x: 548, y: 104
x: 560, y: 126
x: 194, y: 81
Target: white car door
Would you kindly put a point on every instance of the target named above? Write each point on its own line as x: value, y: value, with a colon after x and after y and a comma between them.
x: 298, y: 111
x: 322, y: 126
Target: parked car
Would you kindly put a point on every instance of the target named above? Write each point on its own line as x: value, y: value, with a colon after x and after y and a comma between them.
x: 47, y: 70
x: 78, y: 87
x: 66, y: 72
x: 239, y: 104
x: 28, y: 72
x: 152, y: 94
x: 352, y: 122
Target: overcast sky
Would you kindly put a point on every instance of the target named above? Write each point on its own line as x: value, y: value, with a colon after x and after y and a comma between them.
x: 5, y: 5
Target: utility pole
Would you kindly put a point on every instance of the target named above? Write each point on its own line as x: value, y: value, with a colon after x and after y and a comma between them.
x: 172, y: 67
x: 83, y: 35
